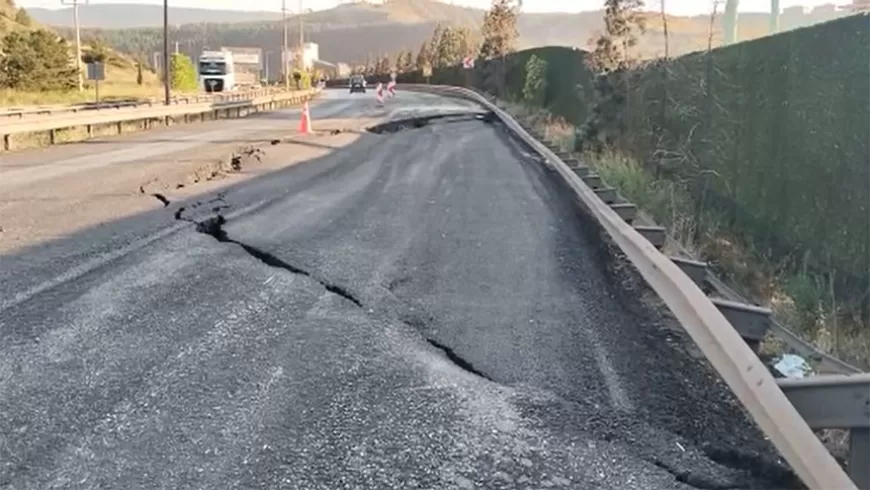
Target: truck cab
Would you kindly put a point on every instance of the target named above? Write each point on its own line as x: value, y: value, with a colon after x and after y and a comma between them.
x: 215, y: 71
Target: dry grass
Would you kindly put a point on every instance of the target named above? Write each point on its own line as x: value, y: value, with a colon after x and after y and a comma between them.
x: 120, y: 83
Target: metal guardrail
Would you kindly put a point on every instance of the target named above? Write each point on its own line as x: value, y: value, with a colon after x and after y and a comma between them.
x: 240, y: 106
x: 21, y: 112
x: 724, y: 330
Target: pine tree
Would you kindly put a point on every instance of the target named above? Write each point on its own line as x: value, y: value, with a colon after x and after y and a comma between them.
x: 23, y: 18
x: 424, y: 56
x: 448, y: 52
x: 623, y: 22
x: 36, y: 60
x: 434, y: 42
x: 499, y: 30
x: 383, y: 65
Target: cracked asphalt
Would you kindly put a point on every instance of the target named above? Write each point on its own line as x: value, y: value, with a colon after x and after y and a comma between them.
x: 425, y: 308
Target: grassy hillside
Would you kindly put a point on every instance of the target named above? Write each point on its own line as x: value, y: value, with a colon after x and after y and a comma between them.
x: 121, y: 70
x: 353, y: 31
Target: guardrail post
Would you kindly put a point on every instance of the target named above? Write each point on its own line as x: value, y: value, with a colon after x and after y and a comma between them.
x: 859, y: 458
x: 7, y: 142
x: 580, y: 171
x: 697, y: 271
x: 592, y: 181
x: 90, y: 130
x: 654, y: 234
x: 120, y: 127
x: 626, y: 210
x: 837, y: 401
x: 52, y: 136
x: 751, y: 322
x: 606, y: 194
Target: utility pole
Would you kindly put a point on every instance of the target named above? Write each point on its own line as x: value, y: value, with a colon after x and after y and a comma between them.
x: 166, y: 94
x: 301, y: 40
x: 284, y: 46
x: 774, y: 16
x: 75, y: 6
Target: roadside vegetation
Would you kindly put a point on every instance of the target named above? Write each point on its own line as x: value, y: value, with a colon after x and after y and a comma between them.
x: 38, y: 67
x: 752, y: 155
x: 804, y: 253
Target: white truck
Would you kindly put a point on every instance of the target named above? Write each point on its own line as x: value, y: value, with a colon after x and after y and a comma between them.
x: 216, y: 71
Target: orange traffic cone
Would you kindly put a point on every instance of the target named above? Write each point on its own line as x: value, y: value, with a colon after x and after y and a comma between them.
x: 305, y: 120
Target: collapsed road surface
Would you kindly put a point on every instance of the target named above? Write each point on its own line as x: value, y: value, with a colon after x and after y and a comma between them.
x: 424, y: 308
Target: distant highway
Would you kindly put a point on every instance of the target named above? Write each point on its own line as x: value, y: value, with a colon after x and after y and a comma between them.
x: 421, y: 308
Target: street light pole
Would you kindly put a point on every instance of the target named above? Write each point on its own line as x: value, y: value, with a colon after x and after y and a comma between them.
x: 75, y: 6
x: 284, y: 46
x: 166, y: 93
x: 301, y: 39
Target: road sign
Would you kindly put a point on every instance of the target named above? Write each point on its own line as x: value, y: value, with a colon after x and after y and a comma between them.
x: 468, y: 62
x: 96, y: 71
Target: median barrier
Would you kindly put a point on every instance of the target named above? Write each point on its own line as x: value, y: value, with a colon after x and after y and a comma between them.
x: 146, y: 116
x: 13, y: 113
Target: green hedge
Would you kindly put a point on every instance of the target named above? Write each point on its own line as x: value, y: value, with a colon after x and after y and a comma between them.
x: 785, y: 127
x: 781, y: 135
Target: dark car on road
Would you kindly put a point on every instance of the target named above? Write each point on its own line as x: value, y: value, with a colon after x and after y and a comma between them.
x: 357, y: 84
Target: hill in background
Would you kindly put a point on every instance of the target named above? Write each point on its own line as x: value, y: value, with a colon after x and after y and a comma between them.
x: 352, y: 32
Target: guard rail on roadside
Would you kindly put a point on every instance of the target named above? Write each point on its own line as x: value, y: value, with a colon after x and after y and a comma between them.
x: 784, y: 410
x: 23, y: 111
x: 147, y: 114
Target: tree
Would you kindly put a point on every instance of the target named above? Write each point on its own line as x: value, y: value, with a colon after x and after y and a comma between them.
x: 97, y: 52
x: 434, y: 42
x: 535, y: 87
x: 383, y: 65
x: 499, y: 30
x: 424, y: 56
x: 139, y: 78
x: 623, y: 22
x: 371, y: 65
x: 18, y: 61
x: 23, y: 18
x: 38, y: 60
x: 182, y: 73
x: 611, y: 58
x: 405, y: 62
x: 454, y: 43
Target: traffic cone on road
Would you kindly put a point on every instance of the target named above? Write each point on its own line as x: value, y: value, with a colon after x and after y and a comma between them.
x: 305, y: 120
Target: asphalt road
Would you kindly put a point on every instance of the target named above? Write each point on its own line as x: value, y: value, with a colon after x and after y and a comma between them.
x: 423, y: 309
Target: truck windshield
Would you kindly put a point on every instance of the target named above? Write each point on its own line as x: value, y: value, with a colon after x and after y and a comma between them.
x: 212, y: 68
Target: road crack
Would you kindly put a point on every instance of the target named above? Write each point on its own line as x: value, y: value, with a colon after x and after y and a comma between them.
x: 160, y: 197
x: 214, y: 227
x: 456, y: 359
x: 418, y: 122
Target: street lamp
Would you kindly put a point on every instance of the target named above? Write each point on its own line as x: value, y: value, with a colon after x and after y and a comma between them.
x: 166, y: 93
x: 301, y: 13
x: 75, y: 6
x: 284, y: 46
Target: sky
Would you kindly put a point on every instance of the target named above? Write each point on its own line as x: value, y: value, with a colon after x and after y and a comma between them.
x: 675, y: 7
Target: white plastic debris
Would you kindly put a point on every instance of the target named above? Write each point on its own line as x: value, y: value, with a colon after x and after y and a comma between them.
x: 792, y: 366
